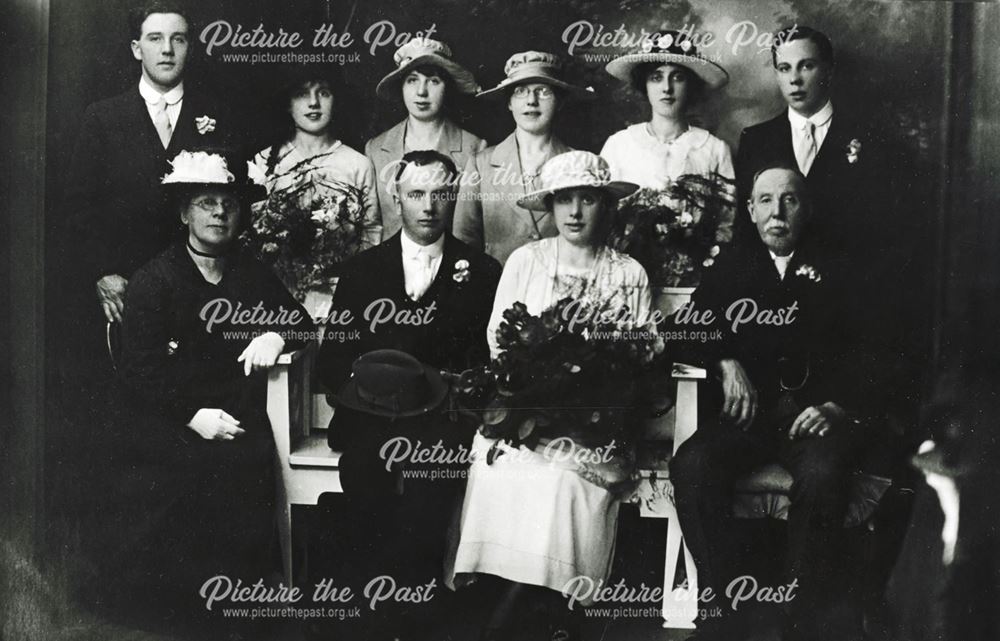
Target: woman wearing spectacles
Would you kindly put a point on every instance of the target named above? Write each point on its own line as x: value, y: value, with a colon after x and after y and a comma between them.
x: 487, y: 215
x: 203, y: 323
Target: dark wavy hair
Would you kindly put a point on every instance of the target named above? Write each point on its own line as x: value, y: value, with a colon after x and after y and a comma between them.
x: 138, y: 14
x: 641, y: 72
x: 328, y: 75
x: 818, y: 38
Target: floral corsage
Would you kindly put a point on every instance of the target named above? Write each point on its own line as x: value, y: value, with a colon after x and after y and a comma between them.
x: 809, y: 272
x: 461, y: 274
x: 853, y: 151
x: 205, y: 124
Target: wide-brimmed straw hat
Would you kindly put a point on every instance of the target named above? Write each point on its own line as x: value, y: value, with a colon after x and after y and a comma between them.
x: 573, y: 170
x: 209, y: 169
x: 424, y: 51
x: 669, y: 47
x: 388, y: 382
x: 535, y: 66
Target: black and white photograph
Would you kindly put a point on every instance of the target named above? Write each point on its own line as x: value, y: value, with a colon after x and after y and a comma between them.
x: 500, y: 320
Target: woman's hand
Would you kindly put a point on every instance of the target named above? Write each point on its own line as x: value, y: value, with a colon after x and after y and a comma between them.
x: 739, y: 397
x: 111, y: 294
x: 262, y: 352
x: 215, y: 424
x: 816, y: 420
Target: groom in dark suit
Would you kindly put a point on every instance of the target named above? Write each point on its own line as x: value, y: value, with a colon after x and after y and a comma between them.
x: 422, y: 291
x: 113, y: 194
x: 791, y: 392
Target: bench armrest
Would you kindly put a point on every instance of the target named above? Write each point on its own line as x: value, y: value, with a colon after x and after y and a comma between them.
x: 686, y: 409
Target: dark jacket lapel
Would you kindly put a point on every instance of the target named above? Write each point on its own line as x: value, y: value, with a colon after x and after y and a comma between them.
x: 143, y: 130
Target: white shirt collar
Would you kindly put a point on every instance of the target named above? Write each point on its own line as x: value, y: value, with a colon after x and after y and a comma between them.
x: 820, y: 118
x: 413, y: 249
x: 781, y: 262
x: 152, y: 96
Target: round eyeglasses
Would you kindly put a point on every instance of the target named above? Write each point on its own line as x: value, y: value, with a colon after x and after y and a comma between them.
x: 541, y: 93
x: 209, y: 204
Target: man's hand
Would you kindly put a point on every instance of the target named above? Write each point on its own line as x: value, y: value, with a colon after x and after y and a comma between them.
x: 215, y: 424
x: 739, y: 398
x: 111, y: 294
x: 817, y: 420
x: 262, y: 352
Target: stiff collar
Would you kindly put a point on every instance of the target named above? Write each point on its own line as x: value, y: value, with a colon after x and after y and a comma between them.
x: 413, y: 249
x: 152, y: 96
x: 819, y: 118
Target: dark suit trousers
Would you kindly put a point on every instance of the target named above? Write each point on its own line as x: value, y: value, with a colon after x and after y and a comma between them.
x: 705, y: 469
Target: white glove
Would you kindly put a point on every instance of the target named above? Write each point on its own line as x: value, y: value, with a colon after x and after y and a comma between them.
x: 215, y: 424
x: 262, y: 352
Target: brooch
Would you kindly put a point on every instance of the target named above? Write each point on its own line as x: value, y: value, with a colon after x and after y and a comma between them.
x: 205, y: 124
x: 461, y: 274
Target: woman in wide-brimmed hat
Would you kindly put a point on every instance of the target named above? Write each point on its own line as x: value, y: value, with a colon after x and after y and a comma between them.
x: 488, y: 215
x: 427, y: 80
x: 197, y: 494
x: 308, y: 150
x: 558, y: 521
x: 673, y: 77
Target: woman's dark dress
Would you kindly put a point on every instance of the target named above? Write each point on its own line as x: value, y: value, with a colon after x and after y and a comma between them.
x: 192, y: 508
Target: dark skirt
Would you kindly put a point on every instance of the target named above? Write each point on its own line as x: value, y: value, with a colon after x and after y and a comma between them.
x: 186, y: 510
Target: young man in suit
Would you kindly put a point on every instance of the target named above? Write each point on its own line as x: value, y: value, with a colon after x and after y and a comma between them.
x: 113, y: 191
x: 840, y: 155
x: 422, y: 291
x: 791, y: 392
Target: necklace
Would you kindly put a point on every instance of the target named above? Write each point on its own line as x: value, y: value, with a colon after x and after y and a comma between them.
x: 652, y: 134
x: 197, y: 252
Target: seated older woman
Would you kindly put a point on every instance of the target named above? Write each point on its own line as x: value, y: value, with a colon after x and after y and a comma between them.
x: 203, y: 322
x: 525, y: 518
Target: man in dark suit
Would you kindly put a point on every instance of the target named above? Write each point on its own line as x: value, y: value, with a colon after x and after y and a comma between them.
x: 113, y: 191
x: 791, y: 392
x: 853, y: 185
x: 422, y: 291
x: 844, y: 161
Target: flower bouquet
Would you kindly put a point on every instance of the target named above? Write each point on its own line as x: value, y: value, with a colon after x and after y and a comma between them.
x: 675, y: 232
x: 560, y: 377
x: 307, y: 228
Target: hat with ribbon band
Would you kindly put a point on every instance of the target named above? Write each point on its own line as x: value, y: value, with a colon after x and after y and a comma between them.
x: 535, y: 66
x: 671, y: 47
x: 419, y: 52
x: 574, y: 170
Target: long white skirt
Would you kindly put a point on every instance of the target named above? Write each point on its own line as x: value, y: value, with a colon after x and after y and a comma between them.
x: 533, y: 519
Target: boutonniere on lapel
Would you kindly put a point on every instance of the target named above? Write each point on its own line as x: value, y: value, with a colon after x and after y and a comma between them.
x: 853, y: 151
x: 461, y: 274
x: 172, y: 346
x: 809, y: 272
x: 205, y: 124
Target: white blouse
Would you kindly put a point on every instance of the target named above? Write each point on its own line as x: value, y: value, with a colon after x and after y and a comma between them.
x: 532, y: 275
x: 637, y: 156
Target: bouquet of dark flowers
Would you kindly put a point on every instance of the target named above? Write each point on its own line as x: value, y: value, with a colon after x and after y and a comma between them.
x: 306, y: 229
x: 558, y: 377
x: 675, y: 232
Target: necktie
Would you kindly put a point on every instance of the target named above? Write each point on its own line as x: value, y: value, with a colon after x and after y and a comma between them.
x: 422, y: 275
x: 162, y: 122
x: 807, y: 148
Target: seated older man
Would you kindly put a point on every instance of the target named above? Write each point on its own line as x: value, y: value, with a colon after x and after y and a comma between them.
x: 789, y: 391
